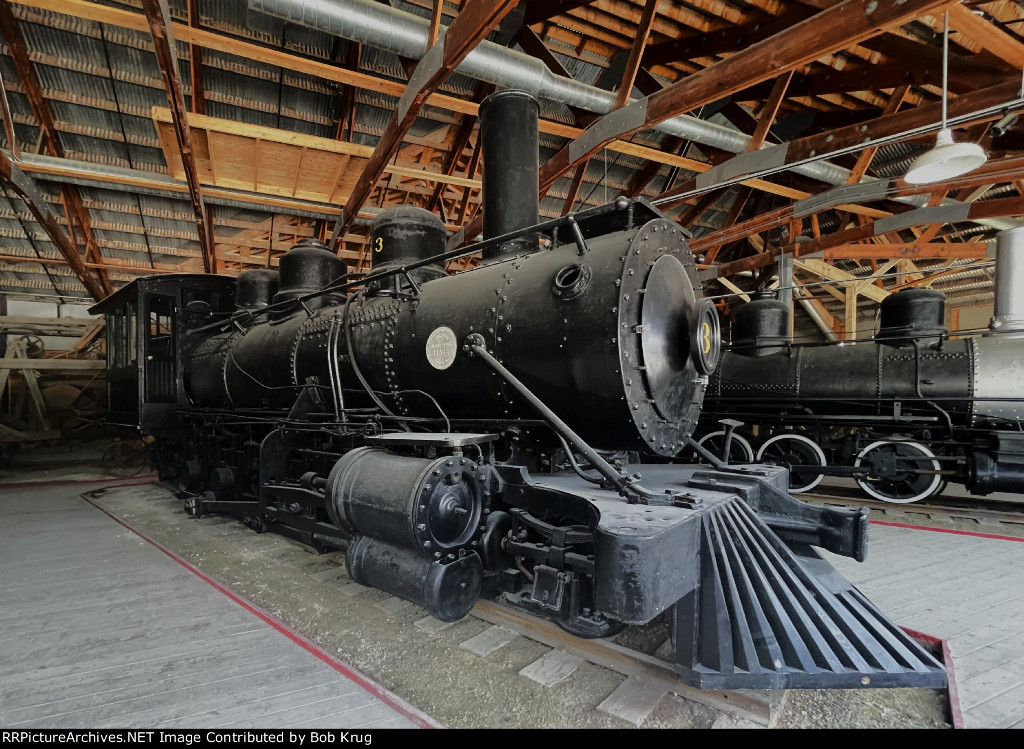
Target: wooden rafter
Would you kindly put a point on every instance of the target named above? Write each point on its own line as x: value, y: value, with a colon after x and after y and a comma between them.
x: 72, y: 202
x: 866, y: 156
x: 636, y: 52
x: 574, y: 188
x: 159, y: 16
x: 987, y: 35
x: 195, y: 63
x: 1001, y: 208
x: 459, y: 143
x: 26, y: 189
x: 221, y: 43
x: 998, y: 170
x: 825, y: 32
x: 912, y: 250
x: 475, y: 20
x: 770, y: 111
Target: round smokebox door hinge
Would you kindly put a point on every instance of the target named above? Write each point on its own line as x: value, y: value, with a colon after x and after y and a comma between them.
x: 705, y: 337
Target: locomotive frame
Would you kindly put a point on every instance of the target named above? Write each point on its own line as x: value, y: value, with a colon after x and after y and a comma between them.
x: 429, y: 426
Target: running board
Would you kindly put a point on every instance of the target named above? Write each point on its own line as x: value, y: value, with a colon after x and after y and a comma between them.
x: 764, y: 617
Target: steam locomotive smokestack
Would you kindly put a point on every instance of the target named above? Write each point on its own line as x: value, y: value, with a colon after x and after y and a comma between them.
x: 508, y: 127
x: 1008, y: 315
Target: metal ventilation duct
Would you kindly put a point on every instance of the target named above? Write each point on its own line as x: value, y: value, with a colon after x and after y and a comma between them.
x: 383, y: 27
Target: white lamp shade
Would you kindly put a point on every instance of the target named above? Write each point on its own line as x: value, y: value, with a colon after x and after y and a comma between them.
x: 945, y: 161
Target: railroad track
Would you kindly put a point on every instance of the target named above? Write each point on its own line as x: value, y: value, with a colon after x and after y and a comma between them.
x: 1008, y: 515
x: 650, y: 674
x: 649, y: 671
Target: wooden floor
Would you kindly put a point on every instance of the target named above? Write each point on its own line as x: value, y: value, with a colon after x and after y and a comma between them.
x: 966, y: 589
x: 101, y: 629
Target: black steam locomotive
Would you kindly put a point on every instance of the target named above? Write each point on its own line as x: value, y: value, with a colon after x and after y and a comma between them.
x: 903, y: 414
x: 504, y: 432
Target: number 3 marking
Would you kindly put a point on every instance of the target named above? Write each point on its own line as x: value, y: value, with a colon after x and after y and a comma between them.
x: 378, y: 244
x: 707, y: 337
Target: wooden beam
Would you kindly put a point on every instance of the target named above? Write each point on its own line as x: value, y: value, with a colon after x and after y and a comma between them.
x: 866, y: 156
x: 694, y: 212
x: 821, y: 144
x: 771, y: 109
x: 51, y: 364
x: 435, y: 22
x: 195, y: 63
x: 347, y: 102
x: 221, y: 43
x: 474, y: 22
x: 848, y: 280
x: 756, y: 26
x: 913, y: 250
x: 735, y: 289
x: 1001, y: 208
x: 827, y: 323
x: 574, y: 188
x: 26, y: 189
x: 140, y: 269
x: 73, y: 208
x: 999, y: 170
x: 159, y: 16
x: 987, y: 35
x: 459, y: 143
x: 835, y: 28
x: 535, y: 47
x: 636, y: 51
x: 742, y: 196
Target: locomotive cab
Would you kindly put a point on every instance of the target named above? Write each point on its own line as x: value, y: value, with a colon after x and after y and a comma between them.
x: 146, y: 321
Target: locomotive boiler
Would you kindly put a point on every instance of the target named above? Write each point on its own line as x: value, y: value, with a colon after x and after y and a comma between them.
x: 903, y: 413
x: 506, y: 432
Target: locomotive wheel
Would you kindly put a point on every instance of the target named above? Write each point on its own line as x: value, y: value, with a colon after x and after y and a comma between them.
x: 794, y: 449
x: 901, y: 461
x: 740, y: 450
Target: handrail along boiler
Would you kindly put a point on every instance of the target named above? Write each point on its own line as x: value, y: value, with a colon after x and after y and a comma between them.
x: 478, y: 434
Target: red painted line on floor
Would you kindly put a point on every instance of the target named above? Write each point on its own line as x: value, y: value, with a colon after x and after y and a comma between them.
x: 148, y: 478
x: 948, y: 530
x: 392, y: 700
x: 947, y: 661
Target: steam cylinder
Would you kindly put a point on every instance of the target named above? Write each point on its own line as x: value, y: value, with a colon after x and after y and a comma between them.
x: 508, y: 127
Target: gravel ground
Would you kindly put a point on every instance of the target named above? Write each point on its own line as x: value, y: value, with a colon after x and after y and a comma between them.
x: 311, y: 593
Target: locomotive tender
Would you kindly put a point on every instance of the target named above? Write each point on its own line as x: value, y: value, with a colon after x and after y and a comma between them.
x: 902, y: 413
x: 480, y: 434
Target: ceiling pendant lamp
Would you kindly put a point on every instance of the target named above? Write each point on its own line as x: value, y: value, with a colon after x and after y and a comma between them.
x: 947, y: 159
